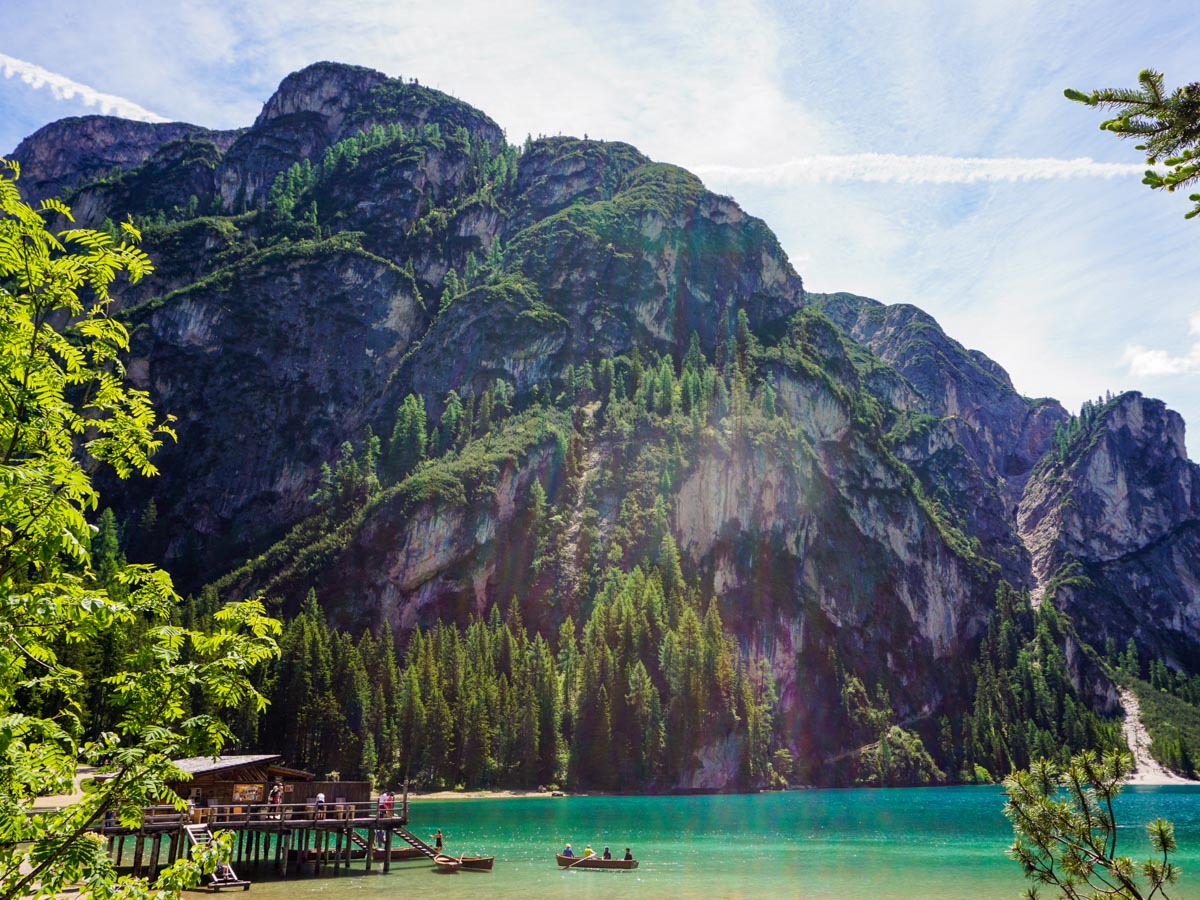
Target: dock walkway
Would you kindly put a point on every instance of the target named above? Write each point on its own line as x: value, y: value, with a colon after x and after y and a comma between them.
x: 332, y: 833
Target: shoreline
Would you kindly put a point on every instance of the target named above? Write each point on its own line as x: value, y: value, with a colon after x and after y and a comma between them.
x: 1142, y: 778
x: 414, y: 797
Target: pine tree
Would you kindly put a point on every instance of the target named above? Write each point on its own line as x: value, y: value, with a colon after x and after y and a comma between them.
x: 1167, y: 124
x: 408, y: 444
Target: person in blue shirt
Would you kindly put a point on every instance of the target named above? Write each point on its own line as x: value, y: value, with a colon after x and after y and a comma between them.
x: 568, y: 851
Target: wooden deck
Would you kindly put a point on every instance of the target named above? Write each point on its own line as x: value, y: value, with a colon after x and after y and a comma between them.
x: 299, y: 834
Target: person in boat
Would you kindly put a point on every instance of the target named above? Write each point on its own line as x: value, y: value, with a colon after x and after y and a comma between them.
x: 628, y: 855
x: 607, y: 853
x: 588, y: 851
x: 567, y: 851
x: 437, y: 840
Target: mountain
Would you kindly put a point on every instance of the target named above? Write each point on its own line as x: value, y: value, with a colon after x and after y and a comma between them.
x: 565, y: 396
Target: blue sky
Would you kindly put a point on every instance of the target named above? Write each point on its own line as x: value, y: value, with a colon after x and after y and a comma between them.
x: 913, y: 152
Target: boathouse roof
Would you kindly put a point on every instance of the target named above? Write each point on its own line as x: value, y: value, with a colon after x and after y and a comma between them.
x: 206, y: 765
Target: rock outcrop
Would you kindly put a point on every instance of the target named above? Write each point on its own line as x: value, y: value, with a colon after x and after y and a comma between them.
x: 1113, y: 526
x: 69, y: 152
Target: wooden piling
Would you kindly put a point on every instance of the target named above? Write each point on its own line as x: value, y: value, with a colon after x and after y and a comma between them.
x: 371, y: 843
x: 138, y: 849
x: 155, y: 849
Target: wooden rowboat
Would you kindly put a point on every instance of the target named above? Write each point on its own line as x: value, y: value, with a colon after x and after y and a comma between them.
x: 446, y: 863
x: 399, y: 853
x: 477, y: 863
x: 594, y: 862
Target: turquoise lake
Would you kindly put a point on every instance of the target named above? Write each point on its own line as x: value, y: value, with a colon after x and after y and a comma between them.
x: 930, y: 843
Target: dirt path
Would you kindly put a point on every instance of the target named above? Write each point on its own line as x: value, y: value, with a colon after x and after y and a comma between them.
x: 1146, y: 770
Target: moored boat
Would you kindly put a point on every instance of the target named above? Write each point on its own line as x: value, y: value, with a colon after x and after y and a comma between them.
x: 477, y: 863
x: 594, y: 862
x: 399, y: 853
x: 446, y: 863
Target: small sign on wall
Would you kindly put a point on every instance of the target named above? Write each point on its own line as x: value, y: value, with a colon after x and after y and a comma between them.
x: 247, y: 793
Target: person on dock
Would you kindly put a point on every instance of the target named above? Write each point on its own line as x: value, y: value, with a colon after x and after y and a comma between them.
x: 567, y: 851
x: 390, y: 803
x: 274, y: 799
x: 628, y: 854
x: 320, y: 809
x: 437, y: 840
x: 588, y: 851
x: 607, y: 853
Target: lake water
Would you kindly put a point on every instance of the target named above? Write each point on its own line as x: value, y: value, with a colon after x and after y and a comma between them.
x: 929, y: 843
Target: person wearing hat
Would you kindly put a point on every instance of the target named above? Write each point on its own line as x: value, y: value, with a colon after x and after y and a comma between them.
x: 567, y: 851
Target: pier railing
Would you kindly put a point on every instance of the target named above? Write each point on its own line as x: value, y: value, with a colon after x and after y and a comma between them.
x: 265, y: 816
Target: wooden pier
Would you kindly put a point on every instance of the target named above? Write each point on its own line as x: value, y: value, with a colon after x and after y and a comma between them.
x: 299, y: 837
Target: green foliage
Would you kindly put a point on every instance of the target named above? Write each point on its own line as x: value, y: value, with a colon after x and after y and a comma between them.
x: 894, y: 757
x: 898, y: 758
x: 65, y: 410
x: 1073, y: 438
x: 1025, y: 706
x: 409, y: 439
x: 650, y: 683
x: 1167, y: 124
x: 1066, y: 831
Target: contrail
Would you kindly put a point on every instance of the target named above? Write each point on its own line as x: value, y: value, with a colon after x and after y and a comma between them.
x: 888, y: 167
x: 64, y: 88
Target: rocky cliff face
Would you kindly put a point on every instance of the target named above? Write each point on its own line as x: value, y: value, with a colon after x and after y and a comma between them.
x: 889, y: 480
x: 70, y: 152
x: 1113, y: 527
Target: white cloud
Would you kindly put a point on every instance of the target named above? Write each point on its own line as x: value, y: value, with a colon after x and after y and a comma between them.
x: 916, y: 169
x: 1147, y: 362
x: 63, y: 88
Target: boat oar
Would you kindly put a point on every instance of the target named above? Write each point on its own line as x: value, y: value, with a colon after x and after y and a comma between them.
x: 577, y: 862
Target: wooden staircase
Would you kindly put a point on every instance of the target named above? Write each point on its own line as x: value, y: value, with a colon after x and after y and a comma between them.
x: 441, y: 860
x: 224, y: 877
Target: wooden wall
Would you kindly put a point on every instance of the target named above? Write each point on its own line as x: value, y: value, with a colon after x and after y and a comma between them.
x: 221, y: 791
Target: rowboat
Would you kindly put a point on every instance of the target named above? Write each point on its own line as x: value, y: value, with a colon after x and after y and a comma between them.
x: 446, y: 863
x: 594, y: 862
x: 477, y: 863
x: 399, y: 853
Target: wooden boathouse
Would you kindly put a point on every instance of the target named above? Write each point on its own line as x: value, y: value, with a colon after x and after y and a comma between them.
x: 300, y: 834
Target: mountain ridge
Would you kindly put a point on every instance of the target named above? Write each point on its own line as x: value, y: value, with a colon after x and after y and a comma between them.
x: 846, y: 485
